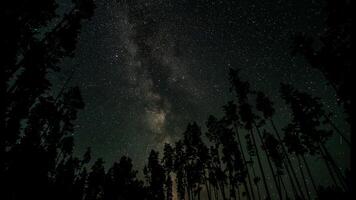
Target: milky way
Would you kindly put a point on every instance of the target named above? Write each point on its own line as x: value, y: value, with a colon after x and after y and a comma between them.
x: 153, y: 69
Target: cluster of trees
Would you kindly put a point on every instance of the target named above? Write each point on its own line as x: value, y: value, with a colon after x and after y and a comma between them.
x: 248, y: 156
x: 245, y: 154
x: 37, y: 121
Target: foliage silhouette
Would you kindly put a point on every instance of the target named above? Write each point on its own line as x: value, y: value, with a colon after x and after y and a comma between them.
x: 36, y: 125
x: 333, y: 58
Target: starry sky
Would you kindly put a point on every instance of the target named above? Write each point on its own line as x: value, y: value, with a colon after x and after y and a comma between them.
x: 146, y: 68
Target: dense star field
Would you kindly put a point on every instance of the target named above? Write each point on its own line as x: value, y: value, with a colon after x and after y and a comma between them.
x: 148, y: 68
x: 176, y: 100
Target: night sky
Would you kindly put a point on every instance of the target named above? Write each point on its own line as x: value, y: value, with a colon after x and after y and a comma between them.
x: 146, y: 68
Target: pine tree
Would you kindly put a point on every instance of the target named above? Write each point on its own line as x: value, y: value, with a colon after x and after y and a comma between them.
x: 168, y: 164
x: 265, y: 106
x: 155, y: 176
x: 242, y: 90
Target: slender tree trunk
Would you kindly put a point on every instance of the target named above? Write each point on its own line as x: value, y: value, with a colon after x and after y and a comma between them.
x: 329, y: 169
x: 290, y: 178
x: 289, y: 162
x: 309, y: 174
x: 270, y: 164
x: 333, y: 164
x: 239, y: 191
x: 222, y: 189
x: 261, y: 167
x: 193, y: 196
x: 246, y: 190
x: 188, y: 189
x: 337, y: 130
x: 232, y: 191
x: 284, y: 187
x: 303, y: 177
x: 216, y: 193
x: 207, y: 187
x: 257, y: 186
x: 329, y: 163
x: 211, y: 188
x: 249, y: 195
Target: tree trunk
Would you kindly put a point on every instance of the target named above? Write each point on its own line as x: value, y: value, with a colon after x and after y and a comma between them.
x: 261, y: 167
x: 270, y: 164
x: 222, y: 189
x: 291, y: 180
x: 249, y: 195
x: 216, y: 193
x: 337, y: 130
x: 246, y: 190
x: 329, y: 164
x: 207, y: 187
x: 303, y: 177
x: 284, y: 187
x: 257, y: 186
x: 309, y: 174
x: 199, y: 195
x: 289, y: 162
x: 232, y: 192
x: 239, y: 191
x: 334, y: 165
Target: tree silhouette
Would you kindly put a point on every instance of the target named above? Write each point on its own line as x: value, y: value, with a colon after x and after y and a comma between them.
x: 273, y: 147
x: 265, y: 106
x: 35, y: 144
x: 155, y: 176
x: 232, y: 118
x: 215, y: 133
x: 242, y: 90
x: 194, y: 167
x: 233, y: 160
x: 168, y: 164
x: 306, y: 126
x: 179, y: 168
x: 334, y: 57
x: 96, y: 181
x: 121, y: 182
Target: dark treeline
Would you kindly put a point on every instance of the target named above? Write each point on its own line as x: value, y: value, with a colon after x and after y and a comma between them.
x: 247, y: 155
